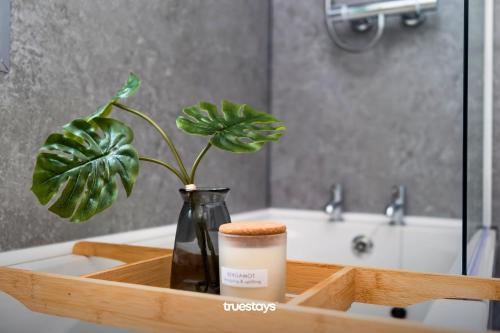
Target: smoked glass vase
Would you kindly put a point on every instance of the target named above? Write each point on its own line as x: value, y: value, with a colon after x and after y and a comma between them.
x: 195, y: 261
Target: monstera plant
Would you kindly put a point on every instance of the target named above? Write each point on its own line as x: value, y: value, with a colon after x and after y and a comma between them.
x: 78, y: 167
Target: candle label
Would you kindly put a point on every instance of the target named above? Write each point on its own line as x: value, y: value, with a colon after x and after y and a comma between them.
x: 244, y: 278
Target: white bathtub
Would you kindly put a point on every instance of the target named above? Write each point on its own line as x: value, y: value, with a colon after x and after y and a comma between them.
x: 423, y: 244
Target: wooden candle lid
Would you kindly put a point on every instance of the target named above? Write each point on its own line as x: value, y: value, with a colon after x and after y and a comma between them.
x: 253, y: 228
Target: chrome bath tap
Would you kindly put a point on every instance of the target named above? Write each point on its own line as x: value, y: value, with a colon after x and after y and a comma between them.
x: 396, y: 209
x: 334, y: 206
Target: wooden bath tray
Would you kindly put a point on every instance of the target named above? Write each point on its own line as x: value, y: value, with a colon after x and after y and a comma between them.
x: 135, y: 295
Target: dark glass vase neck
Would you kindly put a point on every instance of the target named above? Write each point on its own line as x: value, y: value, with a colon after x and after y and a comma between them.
x: 205, y: 195
x: 195, y: 262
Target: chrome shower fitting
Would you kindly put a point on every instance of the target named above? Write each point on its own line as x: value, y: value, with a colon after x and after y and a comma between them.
x: 364, y: 16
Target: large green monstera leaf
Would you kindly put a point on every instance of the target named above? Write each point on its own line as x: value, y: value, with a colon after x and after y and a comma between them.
x: 85, y: 160
x: 238, y: 128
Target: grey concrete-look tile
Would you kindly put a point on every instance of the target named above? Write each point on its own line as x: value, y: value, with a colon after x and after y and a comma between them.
x: 69, y: 56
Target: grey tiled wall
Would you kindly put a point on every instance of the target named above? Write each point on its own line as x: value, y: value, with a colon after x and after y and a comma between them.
x: 69, y: 56
x: 391, y: 115
x: 388, y: 116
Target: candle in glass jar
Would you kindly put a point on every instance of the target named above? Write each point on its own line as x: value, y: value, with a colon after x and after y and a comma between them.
x: 252, y: 260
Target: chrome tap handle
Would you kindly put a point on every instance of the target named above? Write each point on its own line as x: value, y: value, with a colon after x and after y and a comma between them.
x: 398, y: 194
x: 334, y: 206
x: 396, y: 208
x: 337, y: 193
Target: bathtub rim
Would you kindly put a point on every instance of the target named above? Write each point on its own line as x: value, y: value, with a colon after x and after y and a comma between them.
x: 37, y: 253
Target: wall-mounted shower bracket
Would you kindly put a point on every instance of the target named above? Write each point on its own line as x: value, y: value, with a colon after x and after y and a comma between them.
x: 4, y: 36
x: 364, y: 16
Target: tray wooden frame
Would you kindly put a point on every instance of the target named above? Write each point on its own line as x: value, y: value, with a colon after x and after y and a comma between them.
x: 136, y: 296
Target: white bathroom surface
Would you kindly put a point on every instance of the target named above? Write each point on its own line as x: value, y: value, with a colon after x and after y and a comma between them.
x: 423, y: 244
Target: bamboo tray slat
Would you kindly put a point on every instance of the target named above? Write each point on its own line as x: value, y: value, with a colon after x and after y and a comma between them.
x: 135, y: 295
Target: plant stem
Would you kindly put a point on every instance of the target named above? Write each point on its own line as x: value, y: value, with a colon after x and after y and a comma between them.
x: 166, y: 165
x: 162, y: 133
x: 197, y: 162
